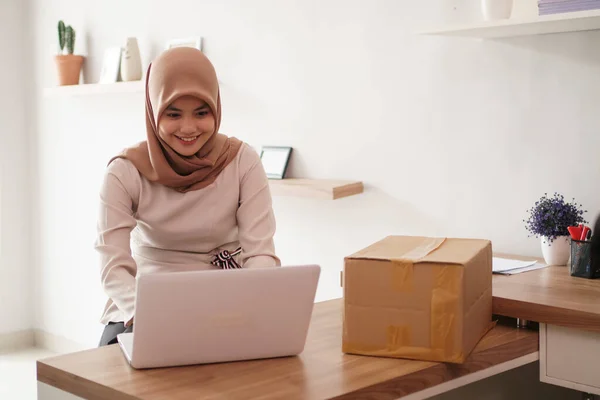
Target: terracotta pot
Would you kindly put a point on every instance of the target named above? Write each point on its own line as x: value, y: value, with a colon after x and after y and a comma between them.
x: 69, y: 68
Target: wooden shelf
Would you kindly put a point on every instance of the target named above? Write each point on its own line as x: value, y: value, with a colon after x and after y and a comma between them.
x: 558, y: 23
x: 315, y: 188
x: 95, y: 88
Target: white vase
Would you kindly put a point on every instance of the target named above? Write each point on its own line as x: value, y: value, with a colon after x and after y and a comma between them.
x: 557, y: 252
x: 496, y: 9
x: 131, y: 61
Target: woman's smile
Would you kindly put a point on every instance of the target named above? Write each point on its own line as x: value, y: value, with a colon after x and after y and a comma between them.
x: 188, y: 140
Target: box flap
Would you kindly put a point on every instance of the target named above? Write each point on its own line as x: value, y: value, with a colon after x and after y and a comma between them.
x: 458, y: 251
x: 423, y: 249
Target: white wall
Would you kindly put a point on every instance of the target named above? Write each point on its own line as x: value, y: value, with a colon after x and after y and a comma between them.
x: 16, y: 110
x: 452, y: 137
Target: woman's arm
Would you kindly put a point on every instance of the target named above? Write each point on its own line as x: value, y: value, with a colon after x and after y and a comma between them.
x: 115, y: 223
x: 255, y: 218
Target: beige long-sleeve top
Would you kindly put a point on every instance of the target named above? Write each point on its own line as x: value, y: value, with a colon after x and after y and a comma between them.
x: 146, y: 227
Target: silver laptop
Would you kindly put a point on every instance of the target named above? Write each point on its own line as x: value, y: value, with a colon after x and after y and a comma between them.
x: 185, y: 318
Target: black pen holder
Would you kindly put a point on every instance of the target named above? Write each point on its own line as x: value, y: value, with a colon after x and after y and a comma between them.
x: 583, y: 262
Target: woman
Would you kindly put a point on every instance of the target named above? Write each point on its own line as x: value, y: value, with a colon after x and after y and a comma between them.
x: 188, y: 197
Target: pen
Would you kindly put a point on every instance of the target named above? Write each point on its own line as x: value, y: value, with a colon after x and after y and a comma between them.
x: 584, y: 233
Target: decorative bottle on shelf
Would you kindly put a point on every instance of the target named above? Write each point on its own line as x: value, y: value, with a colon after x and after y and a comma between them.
x: 496, y: 9
x: 131, y: 61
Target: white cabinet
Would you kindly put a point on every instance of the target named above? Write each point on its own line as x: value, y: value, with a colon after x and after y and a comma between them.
x: 570, y: 358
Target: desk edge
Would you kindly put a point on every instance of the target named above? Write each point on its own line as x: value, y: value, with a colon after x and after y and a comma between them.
x: 77, y: 386
x: 397, y: 387
x: 545, y: 314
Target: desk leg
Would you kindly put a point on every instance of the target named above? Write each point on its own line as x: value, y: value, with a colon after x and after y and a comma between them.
x: 47, y: 392
x: 522, y: 323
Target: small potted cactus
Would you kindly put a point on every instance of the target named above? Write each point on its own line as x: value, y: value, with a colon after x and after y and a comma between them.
x: 67, y: 63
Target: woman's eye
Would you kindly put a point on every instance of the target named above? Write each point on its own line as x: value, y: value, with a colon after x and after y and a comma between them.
x: 202, y: 113
x: 172, y: 115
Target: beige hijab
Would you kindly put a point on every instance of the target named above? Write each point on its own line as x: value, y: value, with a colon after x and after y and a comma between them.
x: 177, y: 72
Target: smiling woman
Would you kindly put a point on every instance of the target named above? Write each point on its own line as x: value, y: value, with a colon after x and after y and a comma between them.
x: 188, y: 198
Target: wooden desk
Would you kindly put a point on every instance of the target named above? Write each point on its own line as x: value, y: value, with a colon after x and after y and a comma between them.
x: 322, y: 371
x: 568, y: 310
x: 549, y: 295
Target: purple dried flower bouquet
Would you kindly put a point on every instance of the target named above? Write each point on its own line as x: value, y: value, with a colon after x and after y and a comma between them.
x: 550, y: 217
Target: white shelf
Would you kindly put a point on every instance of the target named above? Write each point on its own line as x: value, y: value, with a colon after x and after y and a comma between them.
x: 558, y: 23
x: 95, y: 88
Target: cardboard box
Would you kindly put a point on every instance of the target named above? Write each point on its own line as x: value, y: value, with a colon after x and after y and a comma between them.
x: 419, y: 298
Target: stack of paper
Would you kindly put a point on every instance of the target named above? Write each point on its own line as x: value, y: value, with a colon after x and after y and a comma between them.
x: 547, y: 7
x: 506, y: 266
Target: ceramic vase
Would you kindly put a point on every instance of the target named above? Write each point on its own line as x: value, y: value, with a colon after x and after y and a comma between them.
x: 496, y: 9
x: 557, y: 252
x: 131, y: 61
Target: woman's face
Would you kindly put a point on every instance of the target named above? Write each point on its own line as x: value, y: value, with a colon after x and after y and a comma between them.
x: 186, y: 125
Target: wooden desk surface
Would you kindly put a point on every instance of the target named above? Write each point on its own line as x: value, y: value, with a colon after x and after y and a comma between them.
x: 322, y: 371
x: 549, y: 295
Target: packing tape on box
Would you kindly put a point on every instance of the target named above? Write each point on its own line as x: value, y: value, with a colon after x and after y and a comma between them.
x: 427, y: 246
x: 402, y: 273
x: 444, y: 303
x: 402, y: 276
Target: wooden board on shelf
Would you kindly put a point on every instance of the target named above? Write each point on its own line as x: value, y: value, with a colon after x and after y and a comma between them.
x: 95, y: 88
x: 316, y: 188
x: 536, y: 25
